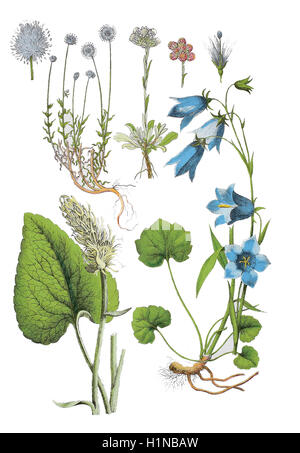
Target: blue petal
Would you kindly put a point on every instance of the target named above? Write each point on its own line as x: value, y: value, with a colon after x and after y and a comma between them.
x: 187, y: 106
x: 216, y: 142
x: 250, y: 278
x: 261, y: 263
x: 225, y: 196
x: 244, y: 209
x: 186, y: 120
x: 251, y: 246
x: 232, y: 251
x: 231, y: 271
x: 188, y: 159
x: 220, y: 220
x: 213, y: 206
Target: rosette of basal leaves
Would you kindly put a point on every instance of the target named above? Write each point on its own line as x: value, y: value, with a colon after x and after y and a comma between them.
x: 52, y: 285
x: 163, y: 241
x: 149, y: 139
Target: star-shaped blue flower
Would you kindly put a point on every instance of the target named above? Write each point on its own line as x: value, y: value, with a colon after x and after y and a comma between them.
x: 212, y: 131
x: 187, y: 108
x: 230, y: 206
x: 244, y: 261
x: 188, y: 159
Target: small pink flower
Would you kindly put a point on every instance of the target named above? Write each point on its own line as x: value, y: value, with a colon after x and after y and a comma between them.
x: 191, y: 56
x: 174, y: 55
x: 181, y: 42
x: 182, y: 56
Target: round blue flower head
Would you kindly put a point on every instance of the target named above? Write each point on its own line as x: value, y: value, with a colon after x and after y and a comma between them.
x: 230, y: 206
x: 88, y: 50
x: 76, y: 75
x: 71, y: 39
x: 90, y: 74
x: 245, y: 261
x: 52, y: 59
x: 107, y: 33
x: 219, y: 34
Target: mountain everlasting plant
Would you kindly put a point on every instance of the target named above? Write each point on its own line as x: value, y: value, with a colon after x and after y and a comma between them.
x: 150, y: 136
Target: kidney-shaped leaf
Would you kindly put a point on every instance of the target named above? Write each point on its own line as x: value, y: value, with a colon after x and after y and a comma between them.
x: 163, y: 241
x: 249, y: 328
x: 52, y: 285
x: 146, y: 320
x: 247, y: 359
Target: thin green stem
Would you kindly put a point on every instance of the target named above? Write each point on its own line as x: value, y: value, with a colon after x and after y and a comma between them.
x: 224, y: 342
x: 109, y: 87
x: 187, y: 310
x: 219, y: 333
x: 90, y: 365
x: 113, y: 358
x: 31, y: 68
x: 63, y: 93
x: 174, y: 350
x: 85, y: 97
x: 99, y: 343
x: 145, y: 86
x: 182, y: 74
x: 100, y: 89
x: 207, y: 342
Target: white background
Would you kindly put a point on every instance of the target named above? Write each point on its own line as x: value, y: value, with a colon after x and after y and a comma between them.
x: 265, y: 41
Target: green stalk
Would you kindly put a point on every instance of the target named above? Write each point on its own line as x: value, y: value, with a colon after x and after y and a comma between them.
x: 115, y: 389
x: 182, y: 74
x: 100, y: 89
x: 31, y: 68
x: 219, y: 333
x: 172, y: 349
x: 90, y: 365
x: 84, y: 101
x: 99, y: 343
x: 63, y: 92
x: 187, y: 310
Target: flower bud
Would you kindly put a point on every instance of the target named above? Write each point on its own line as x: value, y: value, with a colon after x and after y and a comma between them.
x: 244, y: 85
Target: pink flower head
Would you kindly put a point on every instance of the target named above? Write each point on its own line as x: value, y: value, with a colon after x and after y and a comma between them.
x: 181, y: 50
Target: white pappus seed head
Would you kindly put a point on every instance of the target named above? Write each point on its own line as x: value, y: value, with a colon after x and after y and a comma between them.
x: 31, y: 41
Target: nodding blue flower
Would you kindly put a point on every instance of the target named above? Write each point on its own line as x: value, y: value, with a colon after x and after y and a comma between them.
x: 230, y: 206
x: 212, y: 131
x: 245, y: 261
x: 188, y: 107
x: 188, y: 159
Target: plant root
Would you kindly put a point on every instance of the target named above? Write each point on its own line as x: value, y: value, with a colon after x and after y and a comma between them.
x: 196, y: 370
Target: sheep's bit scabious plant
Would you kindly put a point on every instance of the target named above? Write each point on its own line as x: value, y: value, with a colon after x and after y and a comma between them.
x: 57, y: 284
x: 163, y: 241
x: 86, y: 164
x: 150, y: 136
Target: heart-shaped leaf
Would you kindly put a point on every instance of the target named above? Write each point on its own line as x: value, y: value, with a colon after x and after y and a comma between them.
x: 163, y: 241
x: 52, y: 285
x: 247, y: 359
x: 147, y: 319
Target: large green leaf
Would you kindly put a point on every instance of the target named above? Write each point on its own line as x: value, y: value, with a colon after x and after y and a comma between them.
x: 163, y: 241
x: 247, y: 359
x: 146, y: 320
x: 249, y: 328
x: 206, y: 269
x: 52, y: 285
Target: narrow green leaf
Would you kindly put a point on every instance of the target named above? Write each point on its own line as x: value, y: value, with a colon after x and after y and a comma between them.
x: 263, y: 233
x: 168, y: 138
x: 206, y: 269
x: 217, y: 246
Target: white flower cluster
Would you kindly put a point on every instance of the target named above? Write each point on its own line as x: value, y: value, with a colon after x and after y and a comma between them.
x: 144, y: 37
